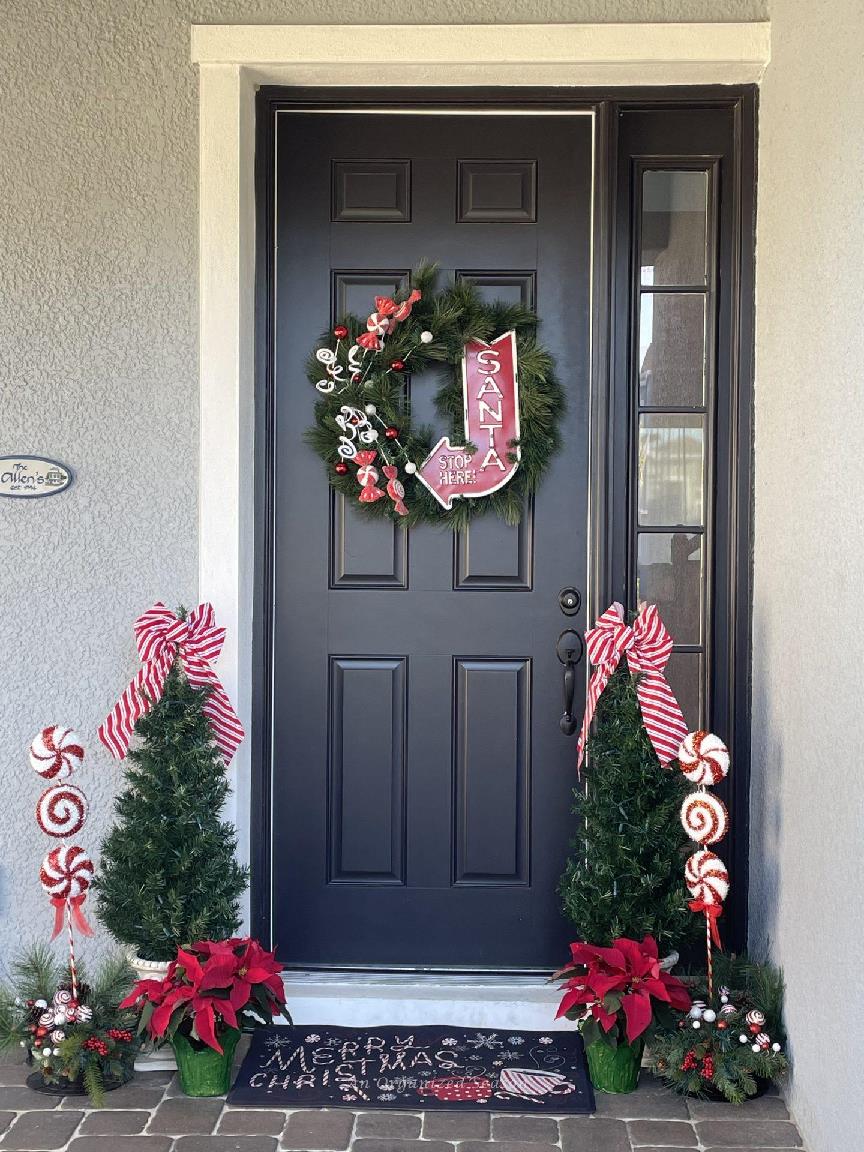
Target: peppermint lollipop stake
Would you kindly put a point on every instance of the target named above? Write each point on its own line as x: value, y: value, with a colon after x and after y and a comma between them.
x: 704, y: 759
x: 61, y: 811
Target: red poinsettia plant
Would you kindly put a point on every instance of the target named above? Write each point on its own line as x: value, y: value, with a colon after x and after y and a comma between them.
x: 210, y: 987
x: 615, y: 993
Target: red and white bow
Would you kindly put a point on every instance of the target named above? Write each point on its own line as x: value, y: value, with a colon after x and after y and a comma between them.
x: 647, y: 646
x: 160, y: 637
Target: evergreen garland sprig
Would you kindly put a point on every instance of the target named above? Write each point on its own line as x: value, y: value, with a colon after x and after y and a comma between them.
x: 454, y: 316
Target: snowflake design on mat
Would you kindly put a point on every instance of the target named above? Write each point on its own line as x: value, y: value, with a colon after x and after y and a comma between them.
x: 449, y: 1041
x: 386, y: 1095
x: 312, y: 1038
x: 515, y: 1040
x: 485, y: 1040
x: 546, y: 1040
x: 509, y: 1054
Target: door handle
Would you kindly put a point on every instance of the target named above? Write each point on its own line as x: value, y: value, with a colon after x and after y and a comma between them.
x: 569, y: 651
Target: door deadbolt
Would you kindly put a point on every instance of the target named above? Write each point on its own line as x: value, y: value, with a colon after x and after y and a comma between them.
x: 570, y: 601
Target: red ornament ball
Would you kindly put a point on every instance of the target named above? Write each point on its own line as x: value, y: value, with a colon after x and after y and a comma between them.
x: 398, y: 365
x: 754, y: 1028
x: 341, y: 468
x: 722, y: 1025
x: 40, y: 1032
x: 392, y: 433
x: 340, y: 331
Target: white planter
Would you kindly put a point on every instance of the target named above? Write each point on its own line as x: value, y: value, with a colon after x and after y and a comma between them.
x: 148, y: 969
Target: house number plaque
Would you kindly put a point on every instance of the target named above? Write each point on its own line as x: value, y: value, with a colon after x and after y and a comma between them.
x: 32, y: 476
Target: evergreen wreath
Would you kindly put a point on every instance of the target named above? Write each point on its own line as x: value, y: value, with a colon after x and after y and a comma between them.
x: 364, y: 402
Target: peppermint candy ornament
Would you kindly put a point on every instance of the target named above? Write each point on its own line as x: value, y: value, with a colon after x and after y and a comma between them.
x: 707, y: 877
x: 61, y: 810
x: 755, y: 1018
x: 366, y: 477
x: 83, y: 1013
x: 704, y: 817
x: 66, y: 872
x: 56, y: 752
x: 703, y: 758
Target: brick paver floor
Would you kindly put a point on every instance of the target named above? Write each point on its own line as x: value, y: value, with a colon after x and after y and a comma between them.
x: 151, y: 1115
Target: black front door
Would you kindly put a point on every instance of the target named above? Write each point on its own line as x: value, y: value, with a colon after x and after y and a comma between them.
x: 421, y: 785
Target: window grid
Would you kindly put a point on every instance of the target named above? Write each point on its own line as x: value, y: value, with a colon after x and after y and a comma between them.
x: 682, y: 663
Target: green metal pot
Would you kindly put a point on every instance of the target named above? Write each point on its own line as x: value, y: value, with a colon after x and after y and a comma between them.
x: 615, y: 1069
x: 203, y: 1071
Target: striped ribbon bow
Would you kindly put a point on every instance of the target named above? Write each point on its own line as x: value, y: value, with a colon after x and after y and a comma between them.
x: 647, y: 646
x: 160, y: 637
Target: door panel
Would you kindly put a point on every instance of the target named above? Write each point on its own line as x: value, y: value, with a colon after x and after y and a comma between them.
x: 421, y: 786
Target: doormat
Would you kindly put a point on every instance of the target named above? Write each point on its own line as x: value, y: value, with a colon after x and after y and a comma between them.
x: 418, y: 1069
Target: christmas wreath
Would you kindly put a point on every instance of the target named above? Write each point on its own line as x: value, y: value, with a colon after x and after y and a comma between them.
x: 501, y: 403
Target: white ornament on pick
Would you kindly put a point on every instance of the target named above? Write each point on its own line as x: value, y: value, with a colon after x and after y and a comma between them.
x: 709, y: 1015
x: 697, y: 1010
x: 371, y: 409
x: 696, y: 1024
x: 426, y: 337
x: 775, y: 1047
x: 373, y: 433
x: 40, y: 1003
x: 755, y: 1047
x: 743, y: 1039
x: 410, y: 467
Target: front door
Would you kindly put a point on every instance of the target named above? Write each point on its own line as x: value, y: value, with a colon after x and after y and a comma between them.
x: 421, y: 786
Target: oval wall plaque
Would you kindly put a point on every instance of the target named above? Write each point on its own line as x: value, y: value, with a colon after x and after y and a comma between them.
x: 29, y: 476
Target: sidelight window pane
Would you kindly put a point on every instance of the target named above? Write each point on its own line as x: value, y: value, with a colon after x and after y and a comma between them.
x: 669, y: 574
x: 686, y: 673
x: 674, y: 227
x: 672, y: 349
x: 671, y: 455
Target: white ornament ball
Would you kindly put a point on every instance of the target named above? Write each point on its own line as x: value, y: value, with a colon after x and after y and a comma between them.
x: 371, y: 409
x: 775, y: 1047
x: 696, y: 1024
x: 426, y: 337
x: 373, y: 434
x: 410, y: 467
x: 724, y: 999
x: 743, y: 1039
x: 60, y: 1017
x: 40, y: 1003
x: 709, y: 1015
x: 755, y: 1047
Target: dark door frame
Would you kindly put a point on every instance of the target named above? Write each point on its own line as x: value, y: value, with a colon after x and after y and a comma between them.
x: 610, y: 479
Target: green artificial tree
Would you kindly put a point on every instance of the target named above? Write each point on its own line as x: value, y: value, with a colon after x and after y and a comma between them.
x: 168, y: 873
x: 625, y: 876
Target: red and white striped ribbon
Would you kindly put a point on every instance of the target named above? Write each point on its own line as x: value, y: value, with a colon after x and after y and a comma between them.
x: 647, y: 646
x: 161, y: 637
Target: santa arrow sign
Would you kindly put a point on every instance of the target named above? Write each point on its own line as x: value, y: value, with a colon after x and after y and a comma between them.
x: 490, y: 395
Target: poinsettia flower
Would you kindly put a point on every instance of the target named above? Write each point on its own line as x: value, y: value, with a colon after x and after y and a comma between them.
x: 618, y: 984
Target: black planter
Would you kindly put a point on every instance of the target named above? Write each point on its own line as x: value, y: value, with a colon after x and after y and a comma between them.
x: 71, y: 1087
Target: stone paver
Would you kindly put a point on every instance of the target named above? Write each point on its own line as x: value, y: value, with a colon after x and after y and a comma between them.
x: 762, y: 1108
x: 748, y: 1134
x: 19, y: 1099
x: 107, y: 1122
x: 456, y: 1125
x: 394, y: 1125
x: 330, y: 1129
x: 225, y: 1144
x: 525, y: 1129
x: 121, y: 1144
x: 34, y: 1131
x: 651, y: 1101
x: 594, y: 1134
x: 251, y: 1122
x: 410, y: 1146
x: 181, y: 1117
x: 669, y: 1133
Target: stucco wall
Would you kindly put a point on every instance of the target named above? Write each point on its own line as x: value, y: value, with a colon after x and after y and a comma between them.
x: 807, y: 800
x: 98, y: 233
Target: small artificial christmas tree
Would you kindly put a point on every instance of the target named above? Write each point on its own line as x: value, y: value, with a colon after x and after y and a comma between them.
x: 624, y: 877
x: 168, y: 873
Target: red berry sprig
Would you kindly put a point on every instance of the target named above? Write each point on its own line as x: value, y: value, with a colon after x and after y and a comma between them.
x: 121, y: 1034
x: 689, y: 1061
x: 94, y: 1044
x: 707, y: 1069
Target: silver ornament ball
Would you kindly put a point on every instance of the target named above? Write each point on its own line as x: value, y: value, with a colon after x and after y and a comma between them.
x: 426, y: 337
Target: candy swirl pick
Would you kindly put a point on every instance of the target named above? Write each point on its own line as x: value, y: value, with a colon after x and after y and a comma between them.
x: 56, y: 752
x: 703, y: 758
x: 61, y: 810
x: 704, y: 817
x: 66, y: 872
x: 707, y: 877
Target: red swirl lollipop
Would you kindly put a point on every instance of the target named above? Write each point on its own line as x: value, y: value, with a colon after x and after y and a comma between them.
x: 61, y: 810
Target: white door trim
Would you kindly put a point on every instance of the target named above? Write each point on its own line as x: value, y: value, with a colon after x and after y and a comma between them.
x: 233, y: 61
